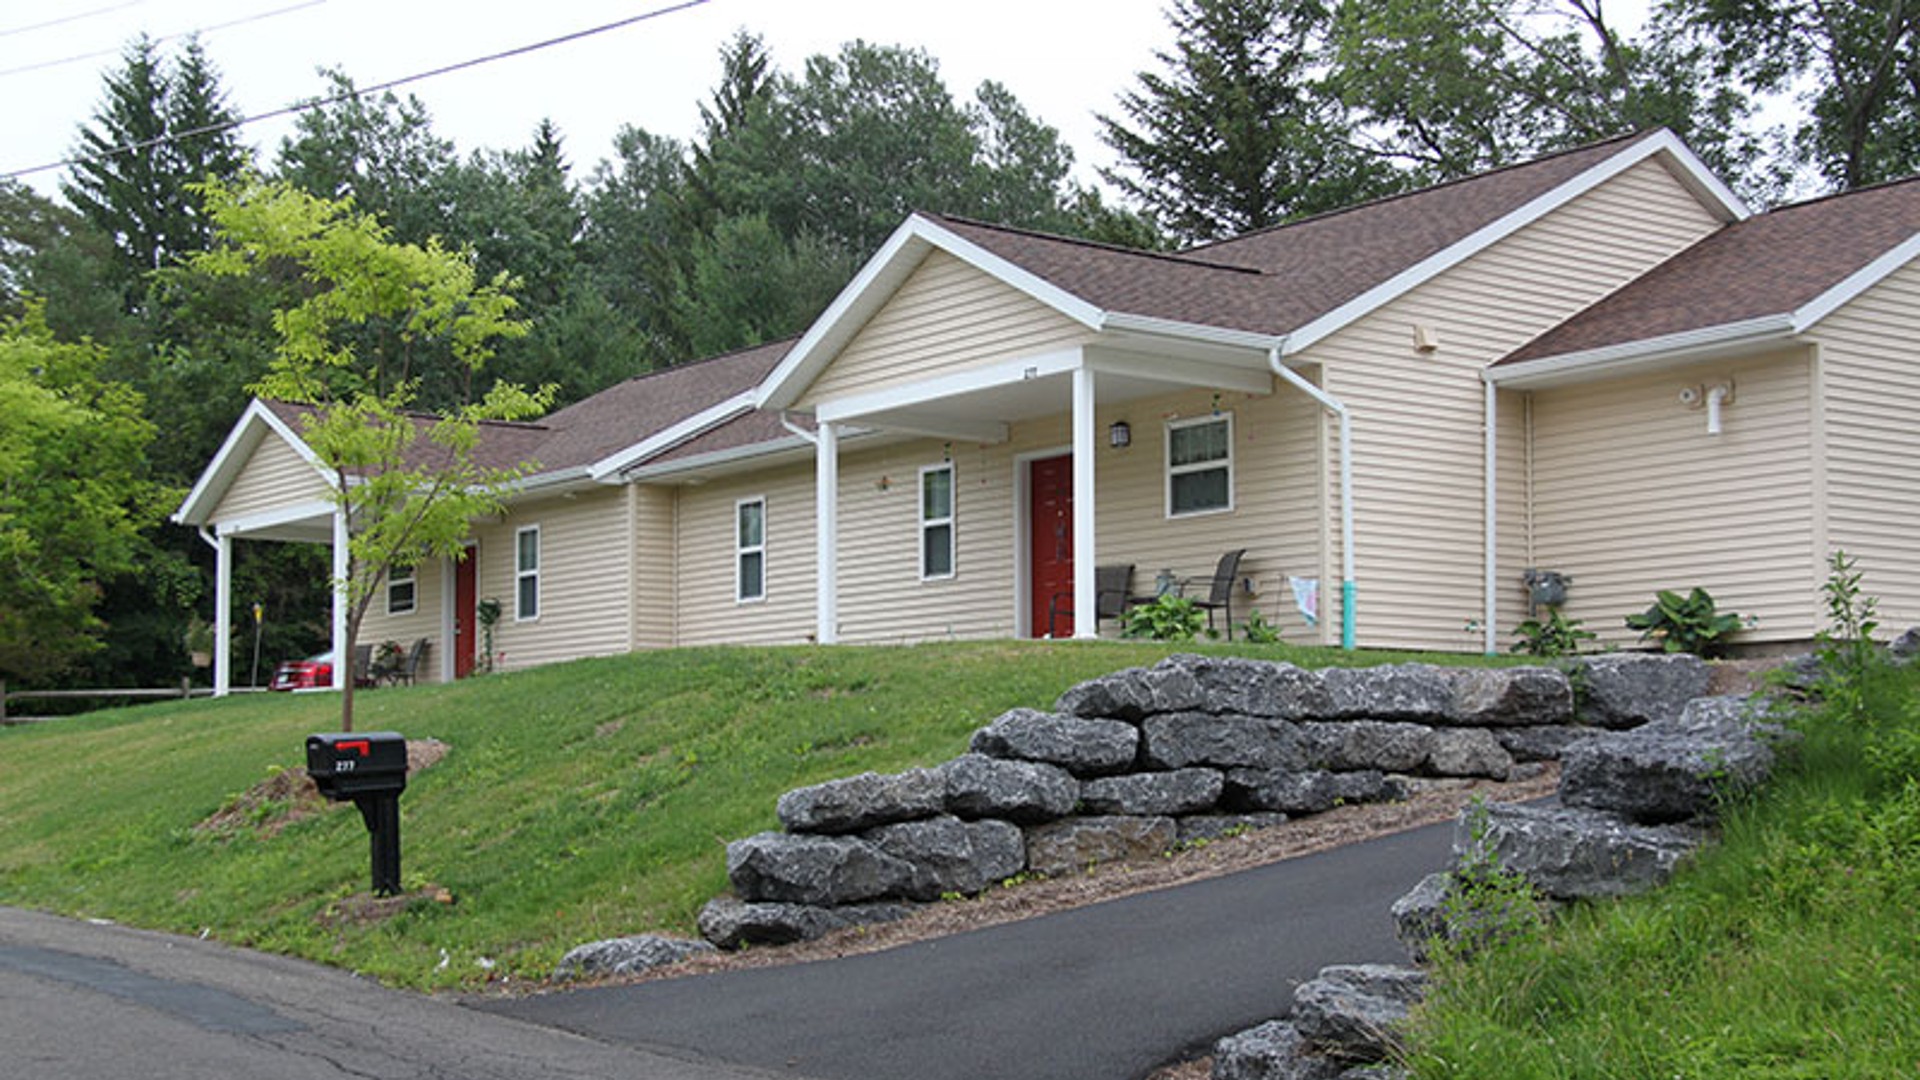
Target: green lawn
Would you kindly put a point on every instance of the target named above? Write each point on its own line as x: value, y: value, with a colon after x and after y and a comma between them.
x: 578, y: 801
x: 1790, y: 950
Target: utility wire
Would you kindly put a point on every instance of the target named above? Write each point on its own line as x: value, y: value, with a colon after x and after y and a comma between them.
x: 242, y: 21
x: 64, y: 19
x: 335, y: 99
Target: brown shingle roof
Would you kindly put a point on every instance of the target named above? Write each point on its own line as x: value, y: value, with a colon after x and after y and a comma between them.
x: 1280, y: 279
x: 1769, y: 264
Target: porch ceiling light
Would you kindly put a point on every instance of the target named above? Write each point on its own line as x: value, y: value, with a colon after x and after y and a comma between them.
x: 1119, y: 435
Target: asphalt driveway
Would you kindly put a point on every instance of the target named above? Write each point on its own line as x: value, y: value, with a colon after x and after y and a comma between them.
x: 1105, y: 992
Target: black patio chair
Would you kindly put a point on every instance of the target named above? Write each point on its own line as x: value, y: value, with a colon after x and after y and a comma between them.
x: 363, y: 673
x: 1109, y: 597
x: 409, y: 666
x: 1220, y: 596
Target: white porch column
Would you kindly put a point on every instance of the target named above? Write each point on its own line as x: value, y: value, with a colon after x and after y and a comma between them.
x: 1085, y: 595
x: 826, y: 533
x: 340, y: 566
x: 223, y: 616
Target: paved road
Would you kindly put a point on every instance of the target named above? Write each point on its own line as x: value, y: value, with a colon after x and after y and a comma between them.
x: 1105, y: 992
x: 85, y: 1002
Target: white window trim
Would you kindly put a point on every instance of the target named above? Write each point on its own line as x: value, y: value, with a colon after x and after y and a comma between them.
x: 951, y: 521
x: 519, y: 575
x: 1172, y: 470
x: 411, y: 579
x: 740, y: 551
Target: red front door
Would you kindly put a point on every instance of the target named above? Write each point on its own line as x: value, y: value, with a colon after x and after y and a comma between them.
x: 1050, y: 544
x: 464, y: 622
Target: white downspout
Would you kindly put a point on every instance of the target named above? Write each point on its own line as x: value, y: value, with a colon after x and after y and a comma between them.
x: 1493, y: 516
x: 826, y: 526
x: 1333, y: 405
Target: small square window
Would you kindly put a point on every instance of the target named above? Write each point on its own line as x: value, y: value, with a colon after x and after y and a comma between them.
x: 402, y: 591
x: 1200, y: 465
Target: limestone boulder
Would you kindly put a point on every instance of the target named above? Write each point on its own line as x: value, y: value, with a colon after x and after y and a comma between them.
x: 1065, y: 847
x: 1024, y: 792
x: 1419, y: 692
x: 1670, y: 770
x: 626, y: 956
x: 1625, y: 690
x: 1134, y: 694
x: 1511, y: 697
x: 862, y: 802
x: 1273, y: 691
x: 809, y: 869
x: 1082, y: 746
x: 1230, y: 741
x: 1197, y: 827
x: 1541, y: 743
x: 1148, y: 794
x: 1312, y: 791
x: 948, y: 855
x: 1273, y: 1051
x: 1468, y: 752
x: 1384, y: 745
x: 1571, y: 853
x: 729, y: 923
x: 1354, y: 1011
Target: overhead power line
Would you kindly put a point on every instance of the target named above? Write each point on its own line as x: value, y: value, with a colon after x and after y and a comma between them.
x: 96, y: 54
x: 65, y: 19
x: 335, y: 99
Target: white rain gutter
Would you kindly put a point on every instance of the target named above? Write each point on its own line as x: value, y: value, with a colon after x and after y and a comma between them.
x: 1492, y: 431
x: 1333, y: 405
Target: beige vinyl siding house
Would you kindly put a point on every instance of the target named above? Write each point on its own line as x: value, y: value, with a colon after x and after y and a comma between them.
x: 986, y: 415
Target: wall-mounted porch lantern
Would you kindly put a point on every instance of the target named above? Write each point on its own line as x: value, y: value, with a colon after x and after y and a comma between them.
x: 1119, y: 435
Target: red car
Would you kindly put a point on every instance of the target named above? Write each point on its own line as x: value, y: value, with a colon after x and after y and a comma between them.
x: 313, y: 673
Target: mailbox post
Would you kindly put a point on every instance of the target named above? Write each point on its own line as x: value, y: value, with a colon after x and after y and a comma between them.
x: 371, y: 770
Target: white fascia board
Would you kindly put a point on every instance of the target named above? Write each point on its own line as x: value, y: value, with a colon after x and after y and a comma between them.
x: 240, y: 442
x: 548, y: 483
x: 1688, y: 169
x: 1616, y: 359
x: 905, y: 248
x: 1187, y: 372
x: 1856, y: 283
x: 720, y: 459
x: 607, y: 469
x: 1122, y: 322
x: 1007, y: 372
x: 310, y: 510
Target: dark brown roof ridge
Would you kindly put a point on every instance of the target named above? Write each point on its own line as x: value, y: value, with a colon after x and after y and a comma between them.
x: 1622, y: 139
x: 1098, y: 245
x: 1831, y: 196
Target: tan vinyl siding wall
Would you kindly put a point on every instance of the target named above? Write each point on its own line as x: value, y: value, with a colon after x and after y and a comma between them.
x: 1418, y: 418
x: 423, y: 622
x: 656, y: 577
x: 585, y: 578
x: 1632, y: 495
x: 1870, y: 368
x: 275, y: 477
x: 945, y: 317
x: 1515, y: 538
x: 708, y: 613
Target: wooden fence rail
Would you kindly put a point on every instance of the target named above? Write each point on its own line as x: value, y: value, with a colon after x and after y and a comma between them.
x: 184, y: 690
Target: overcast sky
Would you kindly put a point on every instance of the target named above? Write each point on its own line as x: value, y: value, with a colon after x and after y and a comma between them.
x: 1064, y: 59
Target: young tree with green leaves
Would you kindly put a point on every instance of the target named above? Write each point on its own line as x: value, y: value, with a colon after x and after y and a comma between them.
x: 74, y: 495
x: 373, y: 312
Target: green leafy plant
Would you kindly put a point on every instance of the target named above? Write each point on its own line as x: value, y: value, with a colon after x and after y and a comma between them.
x: 1258, y: 631
x: 1686, y: 624
x: 1555, y: 635
x: 487, y: 614
x: 1166, y: 618
x: 1848, y: 656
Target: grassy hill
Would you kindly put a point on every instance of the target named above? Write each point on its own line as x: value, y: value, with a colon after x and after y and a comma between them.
x: 576, y: 802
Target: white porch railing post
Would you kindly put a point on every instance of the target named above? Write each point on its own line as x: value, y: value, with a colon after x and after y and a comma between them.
x: 340, y: 566
x: 1085, y: 624
x: 223, y: 616
x: 827, y: 533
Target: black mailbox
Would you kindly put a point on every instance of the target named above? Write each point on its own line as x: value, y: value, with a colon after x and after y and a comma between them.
x: 349, y: 764
x: 370, y: 769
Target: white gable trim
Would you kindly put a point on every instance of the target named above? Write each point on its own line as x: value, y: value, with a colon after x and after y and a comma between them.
x: 1856, y: 283
x: 312, y: 509
x: 240, y: 443
x: 1701, y: 344
x: 876, y: 283
x: 608, y: 468
x: 1690, y: 170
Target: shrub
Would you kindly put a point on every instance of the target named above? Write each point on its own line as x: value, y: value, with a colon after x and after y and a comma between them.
x: 1556, y: 635
x: 1166, y: 618
x: 1688, y: 624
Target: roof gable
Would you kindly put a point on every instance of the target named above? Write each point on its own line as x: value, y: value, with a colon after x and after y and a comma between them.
x: 1775, y: 274
x: 261, y: 420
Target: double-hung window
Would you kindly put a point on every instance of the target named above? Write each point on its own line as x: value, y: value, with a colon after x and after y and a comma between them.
x: 750, y: 550
x: 402, y: 591
x: 1200, y: 465
x: 526, y: 573
x: 936, y: 522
